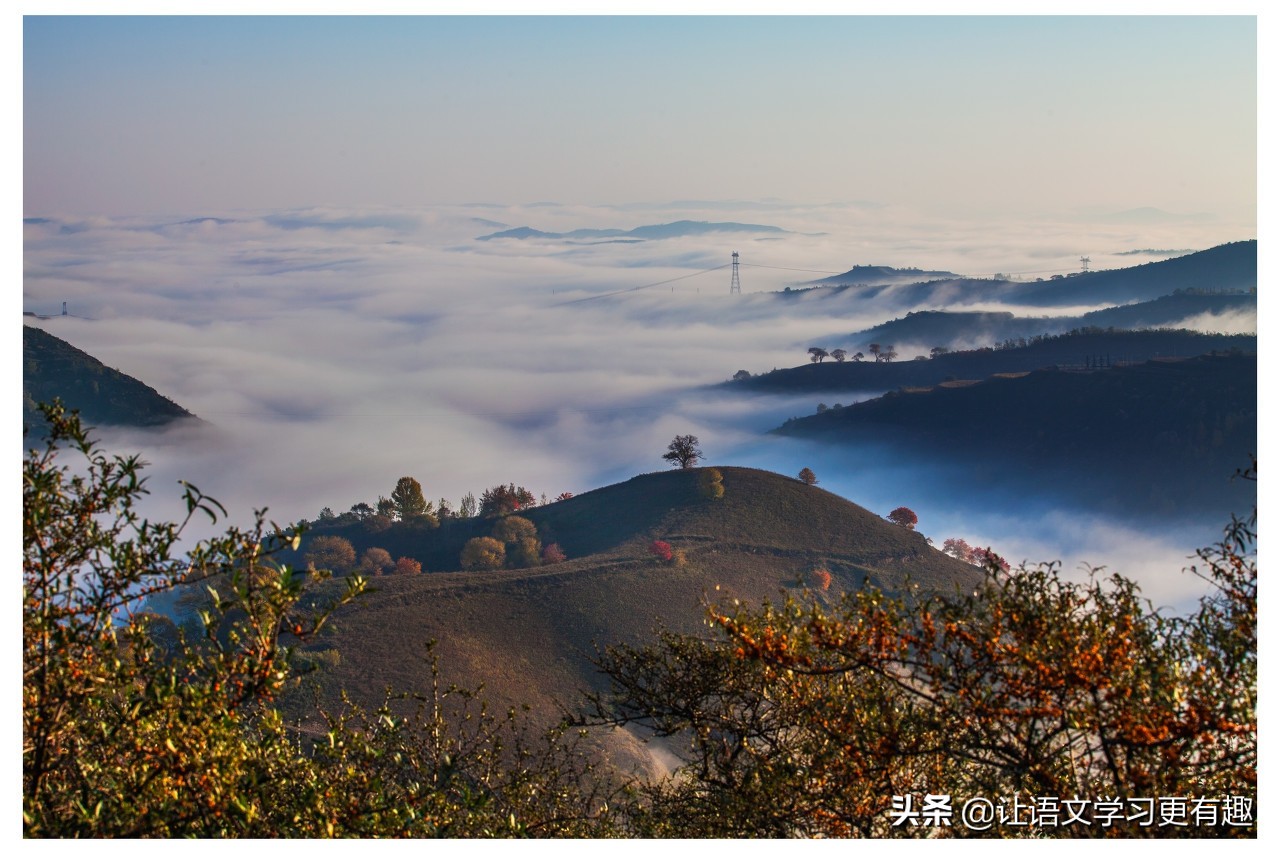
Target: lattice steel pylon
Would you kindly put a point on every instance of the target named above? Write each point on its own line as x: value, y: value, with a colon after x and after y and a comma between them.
x: 735, y: 286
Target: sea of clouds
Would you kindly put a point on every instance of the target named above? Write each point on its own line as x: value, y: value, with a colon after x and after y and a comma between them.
x: 329, y: 352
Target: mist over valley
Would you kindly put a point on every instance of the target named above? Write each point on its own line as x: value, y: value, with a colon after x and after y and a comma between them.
x: 329, y: 352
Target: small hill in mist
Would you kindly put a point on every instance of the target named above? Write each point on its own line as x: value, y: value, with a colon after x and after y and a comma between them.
x: 1080, y: 348
x: 52, y: 368
x: 530, y: 634
x: 861, y: 275
x: 1158, y: 438
x: 1230, y: 267
x: 662, y: 231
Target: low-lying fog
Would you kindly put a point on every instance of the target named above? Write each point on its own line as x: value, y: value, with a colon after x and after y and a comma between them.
x: 331, y: 352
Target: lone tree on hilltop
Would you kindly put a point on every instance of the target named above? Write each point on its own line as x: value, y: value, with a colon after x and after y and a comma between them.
x: 839, y: 355
x: 807, y: 476
x: 408, y: 500
x: 683, y: 452
x: 904, y: 516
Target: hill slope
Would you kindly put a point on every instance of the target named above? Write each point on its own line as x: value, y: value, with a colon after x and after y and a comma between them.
x: 1159, y: 438
x: 1232, y: 266
x: 529, y: 634
x: 956, y: 329
x: 1079, y: 348
x: 53, y: 368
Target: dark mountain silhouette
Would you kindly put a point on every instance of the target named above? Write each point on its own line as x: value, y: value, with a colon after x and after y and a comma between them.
x: 529, y: 634
x: 683, y: 228
x: 928, y: 329
x: 52, y: 368
x: 1171, y: 310
x: 1080, y: 348
x: 1158, y: 438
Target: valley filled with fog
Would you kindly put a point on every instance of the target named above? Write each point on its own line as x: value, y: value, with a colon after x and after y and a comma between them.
x: 329, y: 352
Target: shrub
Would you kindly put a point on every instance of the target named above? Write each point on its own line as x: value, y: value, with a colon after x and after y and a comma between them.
x: 124, y: 737
x: 711, y: 483
x: 512, y: 528
x: 822, y: 578
x: 483, y: 553
x: 661, y: 549
x: 408, y: 566
x: 335, y: 554
x: 133, y: 728
x: 375, y: 561
x: 553, y: 554
x: 1029, y: 684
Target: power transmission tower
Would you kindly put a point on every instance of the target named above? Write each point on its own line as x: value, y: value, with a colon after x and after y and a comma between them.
x: 735, y: 287
x: 1084, y: 264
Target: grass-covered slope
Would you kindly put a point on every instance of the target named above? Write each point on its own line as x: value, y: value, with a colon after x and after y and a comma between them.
x: 530, y: 634
x: 53, y: 368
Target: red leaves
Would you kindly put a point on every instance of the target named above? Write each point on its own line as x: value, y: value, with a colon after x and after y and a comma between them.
x: 904, y: 517
x: 661, y: 549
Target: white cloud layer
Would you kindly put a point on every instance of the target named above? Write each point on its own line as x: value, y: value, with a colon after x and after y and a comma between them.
x: 332, y: 351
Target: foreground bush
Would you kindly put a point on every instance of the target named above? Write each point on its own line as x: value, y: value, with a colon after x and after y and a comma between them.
x: 132, y: 728
x: 806, y: 720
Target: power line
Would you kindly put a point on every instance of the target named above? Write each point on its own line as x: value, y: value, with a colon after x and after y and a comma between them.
x: 796, y: 269
x: 638, y: 287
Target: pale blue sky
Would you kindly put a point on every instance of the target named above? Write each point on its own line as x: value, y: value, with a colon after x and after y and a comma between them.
x: 130, y: 115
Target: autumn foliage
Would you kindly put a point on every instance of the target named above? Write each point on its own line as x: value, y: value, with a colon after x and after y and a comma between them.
x: 978, y: 556
x: 904, y: 516
x: 661, y: 549
x: 806, y: 720
x: 483, y: 553
x: 408, y: 566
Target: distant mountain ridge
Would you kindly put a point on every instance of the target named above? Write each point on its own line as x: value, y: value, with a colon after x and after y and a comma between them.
x: 1077, y: 348
x: 1229, y: 267
x: 942, y: 328
x: 683, y: 228
x: 1161, y: 437
x: 52, y: 368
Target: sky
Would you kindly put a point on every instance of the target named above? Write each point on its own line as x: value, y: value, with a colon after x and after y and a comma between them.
x: 274, y: 222
x: 130, y: 115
